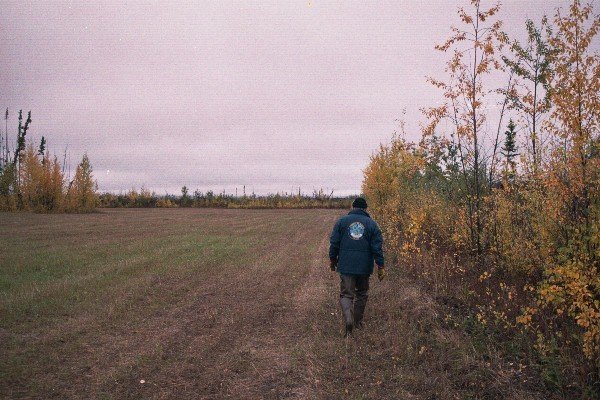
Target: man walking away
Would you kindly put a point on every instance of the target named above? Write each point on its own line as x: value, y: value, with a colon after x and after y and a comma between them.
x: 355, y: 243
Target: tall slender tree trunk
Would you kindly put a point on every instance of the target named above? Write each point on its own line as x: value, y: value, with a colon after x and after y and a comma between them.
x: 497, y: 141
x: 583, y: 205
x: 465, y: 177
x: 476, y: 146
x: 534, y: 148
x: 6, y: 132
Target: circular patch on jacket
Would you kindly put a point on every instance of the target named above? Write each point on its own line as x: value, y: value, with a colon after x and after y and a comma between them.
x: 356, y: 230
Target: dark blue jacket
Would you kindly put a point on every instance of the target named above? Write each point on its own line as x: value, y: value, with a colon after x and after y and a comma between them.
x: 355, y: 243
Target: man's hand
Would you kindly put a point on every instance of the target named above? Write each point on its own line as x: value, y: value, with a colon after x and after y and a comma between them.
x: 381, y: 273
x: 332, y: 265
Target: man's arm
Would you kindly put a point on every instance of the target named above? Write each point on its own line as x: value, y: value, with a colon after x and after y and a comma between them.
x: 334, y: 243
x: 377, y: 246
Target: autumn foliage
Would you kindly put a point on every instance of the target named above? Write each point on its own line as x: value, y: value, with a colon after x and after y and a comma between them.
x: 505, y: 216
x: 40, y: 185
x: 35, y: 181
x: 81, y: 193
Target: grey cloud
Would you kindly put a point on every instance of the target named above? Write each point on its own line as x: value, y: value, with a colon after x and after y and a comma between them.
x: 220, y: 94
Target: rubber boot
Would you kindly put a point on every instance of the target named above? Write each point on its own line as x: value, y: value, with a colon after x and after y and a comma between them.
x: 347, y: 312
x: 360, y: 300
x: 359, y: 311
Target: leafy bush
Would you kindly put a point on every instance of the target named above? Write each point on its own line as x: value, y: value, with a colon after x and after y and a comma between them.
x: 515, y: 238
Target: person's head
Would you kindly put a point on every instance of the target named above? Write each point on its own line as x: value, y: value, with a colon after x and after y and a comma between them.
x: 359, y: 202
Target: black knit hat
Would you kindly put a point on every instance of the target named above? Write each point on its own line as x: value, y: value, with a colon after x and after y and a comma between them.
x: 359, y: 202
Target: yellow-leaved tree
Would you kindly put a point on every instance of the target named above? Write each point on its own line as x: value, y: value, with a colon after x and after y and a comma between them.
x: 81, y: 196
x: 572, y: 280
x: 40, y: 182
x: 474, y: 47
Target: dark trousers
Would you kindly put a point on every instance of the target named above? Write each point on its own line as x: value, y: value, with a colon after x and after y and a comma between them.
x: 353, y: 297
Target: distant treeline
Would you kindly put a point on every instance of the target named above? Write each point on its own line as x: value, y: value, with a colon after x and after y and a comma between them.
x: 147, y: 199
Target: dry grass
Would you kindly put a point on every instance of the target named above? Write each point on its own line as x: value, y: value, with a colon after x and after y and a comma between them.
x: 212, y: 304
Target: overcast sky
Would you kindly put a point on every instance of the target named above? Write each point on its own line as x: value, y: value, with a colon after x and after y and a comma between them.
x: 216, y: 95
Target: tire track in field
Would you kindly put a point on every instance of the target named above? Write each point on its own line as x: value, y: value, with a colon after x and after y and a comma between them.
x: 189, y: 338
x: 309, y: 305
x: 273, y: 350
x: 231, y: 345
x: 284, y: 363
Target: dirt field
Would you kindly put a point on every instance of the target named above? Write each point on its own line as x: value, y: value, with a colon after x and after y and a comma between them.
x: 213, y: 304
